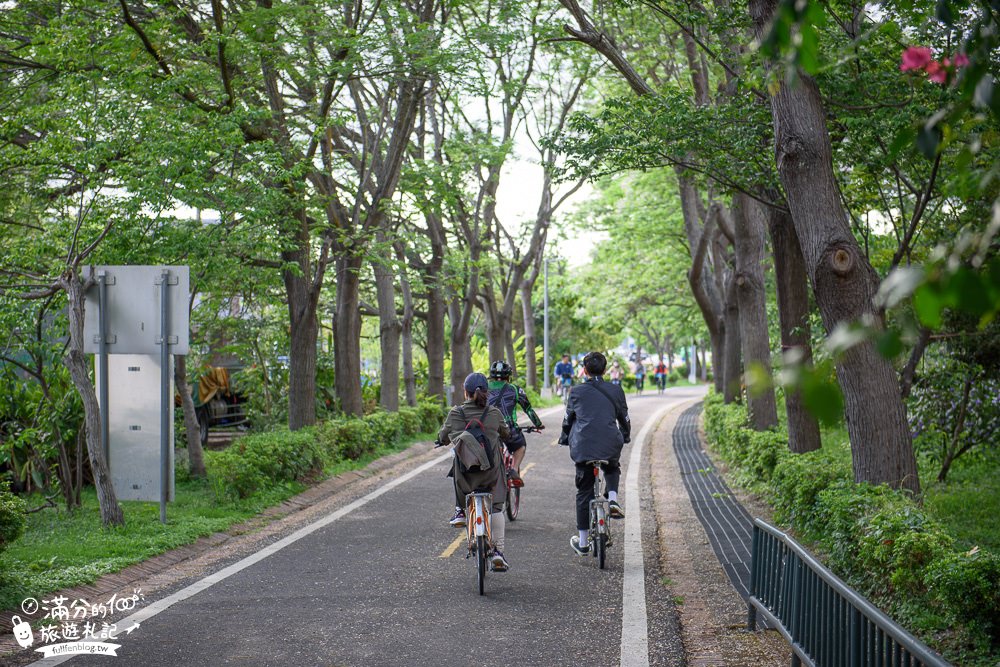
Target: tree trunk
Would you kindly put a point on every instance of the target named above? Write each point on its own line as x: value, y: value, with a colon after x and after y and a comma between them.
x: 303, y: 330
x: 347, y: 334
x: 409, y: 378
x: 751, y: 295
x: 843, y: 281
x: 390, y: 330
x: 793, y: 314
x: 435, y: 342
x: 76, y: 362
x: 192, y: 432
x: 731, y: 330
x: 461, y: 352
x: 530, y: 360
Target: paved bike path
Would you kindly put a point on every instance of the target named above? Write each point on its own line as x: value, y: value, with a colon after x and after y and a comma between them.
x: 372, y: 587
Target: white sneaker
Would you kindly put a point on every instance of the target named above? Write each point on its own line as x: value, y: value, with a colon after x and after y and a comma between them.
x: 498, y: 562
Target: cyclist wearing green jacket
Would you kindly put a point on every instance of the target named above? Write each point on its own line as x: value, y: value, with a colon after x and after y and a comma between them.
x: 506, y: 397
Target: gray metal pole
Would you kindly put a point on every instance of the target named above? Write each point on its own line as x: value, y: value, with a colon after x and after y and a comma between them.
x: 102, y: 364
x: 545, y: 326
x: 164, y: 392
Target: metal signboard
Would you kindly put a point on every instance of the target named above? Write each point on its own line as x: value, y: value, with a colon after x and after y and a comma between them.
x: 134, y: 427
x: 133, y: 309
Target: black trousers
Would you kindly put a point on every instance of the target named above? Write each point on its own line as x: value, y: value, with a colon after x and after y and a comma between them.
x: 585, y: 488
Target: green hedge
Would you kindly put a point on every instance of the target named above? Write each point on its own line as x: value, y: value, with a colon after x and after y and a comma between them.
x: 12, y: 516
x: 877, y: 539
x: 260, y: 461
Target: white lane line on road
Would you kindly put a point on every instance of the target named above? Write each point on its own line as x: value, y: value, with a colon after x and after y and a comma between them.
x: 212, y: 579
x: 635, y: 639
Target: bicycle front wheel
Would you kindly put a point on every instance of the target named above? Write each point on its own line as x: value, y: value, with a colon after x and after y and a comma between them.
x: 513, y: 502
x: 481, y: 562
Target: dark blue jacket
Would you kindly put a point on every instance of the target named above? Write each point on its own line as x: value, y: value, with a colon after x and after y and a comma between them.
x: 596, y: 425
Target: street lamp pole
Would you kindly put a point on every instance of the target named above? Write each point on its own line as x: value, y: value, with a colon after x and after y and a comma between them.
x: 546, y: 389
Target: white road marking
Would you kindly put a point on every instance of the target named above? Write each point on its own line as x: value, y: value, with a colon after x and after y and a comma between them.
x: 635, y: 638
x: 212, y: 579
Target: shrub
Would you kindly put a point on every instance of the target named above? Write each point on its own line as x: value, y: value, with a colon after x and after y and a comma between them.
x: 967, y: 586
x: 796, y: 482
x: 410, y: 420
x: 259, y: 461
x: 232, y: 475
x: 432, y: 412
x: 386, y: 427
x: 347, y: 438
x: 12, y: 516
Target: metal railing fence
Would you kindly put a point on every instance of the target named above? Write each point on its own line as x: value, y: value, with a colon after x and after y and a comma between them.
x: 825, y: 621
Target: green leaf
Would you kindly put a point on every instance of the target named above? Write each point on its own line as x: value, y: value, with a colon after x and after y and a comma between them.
x: 890, y: 344
x: 928, y: 140
x: 943, y: 12
x: 823, y: 399
x: 928, y: 306
x: 904, y: 139
x: 968, y: 292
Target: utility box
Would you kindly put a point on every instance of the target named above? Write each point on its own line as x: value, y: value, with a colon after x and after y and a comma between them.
x: 134, y: 427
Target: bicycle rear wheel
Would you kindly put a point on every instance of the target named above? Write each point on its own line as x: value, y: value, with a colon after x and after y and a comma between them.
x: 600, y: 549
x: 481, y: 561
x: 513, y: 502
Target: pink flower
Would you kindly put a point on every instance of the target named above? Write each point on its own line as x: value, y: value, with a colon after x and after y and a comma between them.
x: 915, y: 58
x: 937, y: 72
x: 961, y: 60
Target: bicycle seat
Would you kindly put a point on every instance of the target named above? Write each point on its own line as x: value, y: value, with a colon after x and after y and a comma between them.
x: 595, y: 462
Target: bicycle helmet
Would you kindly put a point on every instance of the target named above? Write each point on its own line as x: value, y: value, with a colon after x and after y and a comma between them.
x: 500, y: 369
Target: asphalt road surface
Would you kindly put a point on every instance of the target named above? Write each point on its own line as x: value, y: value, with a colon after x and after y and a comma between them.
x: 381, y: 583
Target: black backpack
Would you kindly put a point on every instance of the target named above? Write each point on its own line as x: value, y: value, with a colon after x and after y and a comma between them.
x: 478, y: 431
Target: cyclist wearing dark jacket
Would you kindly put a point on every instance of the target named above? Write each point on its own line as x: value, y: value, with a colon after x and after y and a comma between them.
x: 596, y: 427
x: 506, y: 397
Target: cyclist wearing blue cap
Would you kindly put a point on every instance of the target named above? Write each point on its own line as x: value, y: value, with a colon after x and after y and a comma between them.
x: 473, y: 469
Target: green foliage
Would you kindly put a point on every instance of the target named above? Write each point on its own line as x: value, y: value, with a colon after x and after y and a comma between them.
x: 954, y: 411
x: 878, y: 539
x: 260, y: 461
x: 969, y: 586
x: 12, y: 516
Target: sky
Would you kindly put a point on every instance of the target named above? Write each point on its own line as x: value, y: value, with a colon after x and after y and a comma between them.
x: 517, y: 199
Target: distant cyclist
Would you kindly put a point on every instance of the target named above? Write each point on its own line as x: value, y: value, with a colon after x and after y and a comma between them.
x: 660, y: 373
x: 640, y: 375
x: 506, y: 397
x: 596, y: 427
x: 564, y: 374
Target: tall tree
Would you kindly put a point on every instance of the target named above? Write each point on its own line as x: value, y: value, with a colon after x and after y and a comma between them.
x: 842, y: 279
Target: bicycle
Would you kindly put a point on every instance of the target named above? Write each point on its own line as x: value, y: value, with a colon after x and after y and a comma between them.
x: 600, y: 513
x: 661, y: 382
x: 480, y: 538
x: 639, y: 381
x: 513, y: 488
x: 564, y: 386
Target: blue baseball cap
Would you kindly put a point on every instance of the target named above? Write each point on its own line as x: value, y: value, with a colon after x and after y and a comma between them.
x: 474, y: 381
